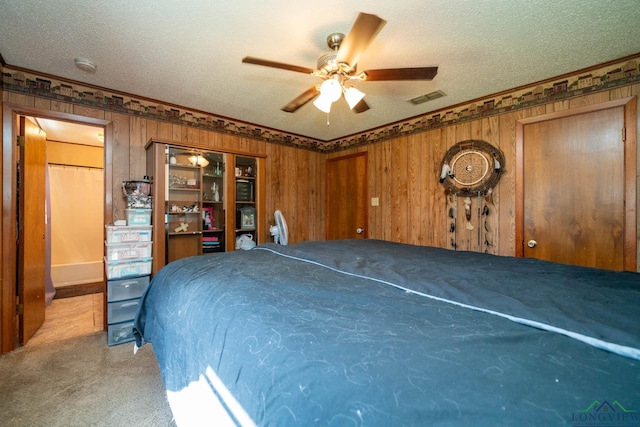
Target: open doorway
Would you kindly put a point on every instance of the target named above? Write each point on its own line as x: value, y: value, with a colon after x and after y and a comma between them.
x: 74, y: 209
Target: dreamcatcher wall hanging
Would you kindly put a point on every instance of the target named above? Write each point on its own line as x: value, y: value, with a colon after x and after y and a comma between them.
x: 471, y: 169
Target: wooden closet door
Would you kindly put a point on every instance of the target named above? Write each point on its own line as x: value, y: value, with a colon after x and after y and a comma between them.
x: 346, y: 203
x: 574, y: 189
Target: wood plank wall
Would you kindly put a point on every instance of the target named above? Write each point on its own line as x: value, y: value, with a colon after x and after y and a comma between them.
x: 402, y: 172
x: 294, y: 176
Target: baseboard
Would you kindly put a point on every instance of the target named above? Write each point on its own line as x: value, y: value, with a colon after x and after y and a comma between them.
x: 78, y: 290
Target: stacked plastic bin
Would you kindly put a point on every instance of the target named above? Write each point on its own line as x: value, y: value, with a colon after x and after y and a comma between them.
x: 128, y: 267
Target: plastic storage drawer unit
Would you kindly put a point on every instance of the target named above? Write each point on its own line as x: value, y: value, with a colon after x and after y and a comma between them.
x: 122, y: 311
x: 128, y: 268
x: 120, y: 251
x: 123, y: 289
x: 138, y: 216
x: 134, y: 233
x: 120, y: 333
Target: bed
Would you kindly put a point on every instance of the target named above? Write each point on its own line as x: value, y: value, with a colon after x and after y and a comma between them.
x: 374, y: 333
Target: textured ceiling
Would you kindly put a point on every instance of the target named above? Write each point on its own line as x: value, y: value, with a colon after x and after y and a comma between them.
x: 189, y: 53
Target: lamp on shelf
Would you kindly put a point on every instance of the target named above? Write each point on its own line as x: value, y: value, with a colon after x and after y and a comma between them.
x: 198, y: 161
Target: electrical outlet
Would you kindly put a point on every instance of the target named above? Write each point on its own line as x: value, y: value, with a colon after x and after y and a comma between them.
x: 375, y: 201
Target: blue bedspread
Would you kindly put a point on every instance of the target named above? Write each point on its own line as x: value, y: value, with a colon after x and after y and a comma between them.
x: 365, y: 332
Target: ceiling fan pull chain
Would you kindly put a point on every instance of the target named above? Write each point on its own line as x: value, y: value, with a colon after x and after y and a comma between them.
x: 328, y: 119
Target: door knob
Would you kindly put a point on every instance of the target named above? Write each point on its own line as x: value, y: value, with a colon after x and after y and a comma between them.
x: 532, y: 243
x: 359, y: 230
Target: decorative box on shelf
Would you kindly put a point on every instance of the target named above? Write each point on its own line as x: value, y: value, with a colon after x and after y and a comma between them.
x: 193, y: 183
x: 244, y: 190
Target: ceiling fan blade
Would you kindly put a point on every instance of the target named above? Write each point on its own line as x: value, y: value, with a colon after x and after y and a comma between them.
x: 273, y: 64
x: 360, y: 107
x: 422, y: 73
x: 301, y: 99
x: 362, y: 33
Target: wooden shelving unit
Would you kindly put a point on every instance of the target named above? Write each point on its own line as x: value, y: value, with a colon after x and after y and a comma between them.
x: 204, y: 198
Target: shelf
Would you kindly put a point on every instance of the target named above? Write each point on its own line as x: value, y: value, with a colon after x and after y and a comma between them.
x: 186, y: 233
x: 184, y: 167
x: 183, y: 213
x: 194, y: 189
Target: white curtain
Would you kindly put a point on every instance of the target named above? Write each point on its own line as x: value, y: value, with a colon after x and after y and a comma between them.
x: 77, y: 224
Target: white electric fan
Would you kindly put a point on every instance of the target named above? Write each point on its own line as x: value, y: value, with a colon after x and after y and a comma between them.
x: 280, y: 232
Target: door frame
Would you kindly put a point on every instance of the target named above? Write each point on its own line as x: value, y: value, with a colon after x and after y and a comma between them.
x: 8, y: 268
x: 630, y: 249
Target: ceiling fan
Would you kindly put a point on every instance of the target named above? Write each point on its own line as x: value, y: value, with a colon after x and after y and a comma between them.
x: 339, y: 67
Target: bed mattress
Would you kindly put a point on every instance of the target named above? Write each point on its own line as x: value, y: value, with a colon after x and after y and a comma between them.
x: 367, y: 332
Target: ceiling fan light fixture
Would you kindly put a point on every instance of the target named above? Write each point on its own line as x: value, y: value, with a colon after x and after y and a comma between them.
x: 340, y: 65
x: 331, y: 89
x: 323, y: 104
x: 353, y: 96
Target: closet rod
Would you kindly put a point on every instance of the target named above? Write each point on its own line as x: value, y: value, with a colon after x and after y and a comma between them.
x: 74, y: 166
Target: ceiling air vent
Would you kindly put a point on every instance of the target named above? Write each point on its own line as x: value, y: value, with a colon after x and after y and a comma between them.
x: 428, y: 97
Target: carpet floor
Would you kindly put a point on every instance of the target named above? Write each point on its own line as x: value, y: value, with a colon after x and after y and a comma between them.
x: 81, y: 381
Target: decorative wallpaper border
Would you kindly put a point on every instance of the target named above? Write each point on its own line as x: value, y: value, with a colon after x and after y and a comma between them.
x: 581, y: 83
x: 614, y: 74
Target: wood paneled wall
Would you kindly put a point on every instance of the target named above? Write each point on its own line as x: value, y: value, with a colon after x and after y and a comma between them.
x: 295, y: 186
x: 294, y: 176
x: 403, y: 172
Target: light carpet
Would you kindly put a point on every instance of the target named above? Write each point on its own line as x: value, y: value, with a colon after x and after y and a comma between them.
x: 82, y: 382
